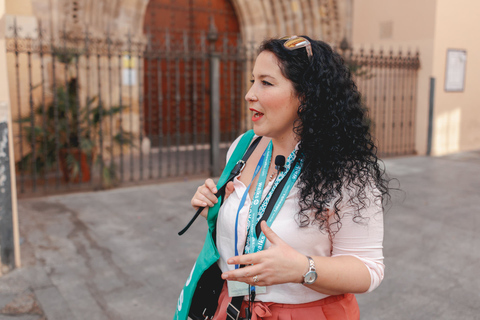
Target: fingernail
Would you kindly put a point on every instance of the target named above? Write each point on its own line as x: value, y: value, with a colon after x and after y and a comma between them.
x: 224, y: 276
x: 215, y: 190
x: 230, y: 261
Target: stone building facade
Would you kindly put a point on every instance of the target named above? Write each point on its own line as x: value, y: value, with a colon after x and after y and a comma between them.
x: 123, y: 20
x: 258, y: 19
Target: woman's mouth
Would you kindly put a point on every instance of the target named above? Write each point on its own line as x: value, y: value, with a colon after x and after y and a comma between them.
x: 256, y: 115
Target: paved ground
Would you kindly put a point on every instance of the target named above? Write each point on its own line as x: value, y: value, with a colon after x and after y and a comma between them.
x: 116, y: 254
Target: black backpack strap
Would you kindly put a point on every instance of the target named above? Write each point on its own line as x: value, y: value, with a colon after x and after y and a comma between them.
x: 221, y: 191
x: 233, y: 308
x: 238, y: 167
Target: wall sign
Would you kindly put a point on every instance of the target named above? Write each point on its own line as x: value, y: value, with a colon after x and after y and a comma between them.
x: 455, y: 70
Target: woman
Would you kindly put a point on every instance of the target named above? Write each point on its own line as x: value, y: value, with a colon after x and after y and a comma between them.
x: 325, y: 241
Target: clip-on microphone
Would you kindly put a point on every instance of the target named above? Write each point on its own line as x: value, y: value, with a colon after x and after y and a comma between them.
x: 280, y: 163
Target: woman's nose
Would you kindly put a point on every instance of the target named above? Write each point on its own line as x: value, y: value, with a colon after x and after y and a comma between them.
x: 250, y: 95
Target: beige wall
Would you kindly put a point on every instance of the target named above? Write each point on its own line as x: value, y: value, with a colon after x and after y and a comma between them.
x: 457, y: 114
x: 406, y: 25
x: 18, y: 7
x: 432, y: 27
x: 4, y: 96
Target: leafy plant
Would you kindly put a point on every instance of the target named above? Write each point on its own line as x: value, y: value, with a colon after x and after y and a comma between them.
x: 65, y: 124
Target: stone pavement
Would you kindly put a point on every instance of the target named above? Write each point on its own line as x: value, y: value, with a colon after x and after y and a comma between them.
x: 116, y: 254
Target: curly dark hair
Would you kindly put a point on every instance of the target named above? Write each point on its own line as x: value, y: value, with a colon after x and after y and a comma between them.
x: 340, y: 157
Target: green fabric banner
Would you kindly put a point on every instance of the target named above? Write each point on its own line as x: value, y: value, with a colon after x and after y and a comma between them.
x: 209, y: 254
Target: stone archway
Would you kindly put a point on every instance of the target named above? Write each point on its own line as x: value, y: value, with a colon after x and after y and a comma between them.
x: 322, y: 19
x: 118, y: 18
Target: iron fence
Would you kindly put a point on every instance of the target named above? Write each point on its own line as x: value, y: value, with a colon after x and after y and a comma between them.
x: 388, y: 84
x: 98, y: 112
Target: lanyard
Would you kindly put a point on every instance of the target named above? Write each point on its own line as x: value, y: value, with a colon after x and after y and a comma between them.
x: 257, y: 208
x: 257, y: 211
x: 278, y: 205
x: 266, y: 154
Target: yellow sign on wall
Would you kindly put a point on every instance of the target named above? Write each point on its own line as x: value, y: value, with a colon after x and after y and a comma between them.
x: 128, y: 61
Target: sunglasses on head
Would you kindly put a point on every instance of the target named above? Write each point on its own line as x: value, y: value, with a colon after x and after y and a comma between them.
x: 296, y: 42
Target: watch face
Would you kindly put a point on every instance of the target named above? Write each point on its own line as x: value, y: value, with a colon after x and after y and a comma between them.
x: 310, y: 277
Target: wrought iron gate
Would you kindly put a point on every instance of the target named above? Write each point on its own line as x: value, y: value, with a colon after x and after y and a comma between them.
x: 388, y: 84
x: 120, y: 111
x: 176, y: 77
x: 98, y: 112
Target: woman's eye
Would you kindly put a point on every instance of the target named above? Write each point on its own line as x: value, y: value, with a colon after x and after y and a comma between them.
x: 264, y: 82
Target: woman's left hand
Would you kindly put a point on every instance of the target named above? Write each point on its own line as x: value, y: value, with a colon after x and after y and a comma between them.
x: 280, y: 263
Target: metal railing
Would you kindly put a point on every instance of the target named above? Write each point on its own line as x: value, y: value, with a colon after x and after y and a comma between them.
x: 98, y: 112
x: 388, y: 84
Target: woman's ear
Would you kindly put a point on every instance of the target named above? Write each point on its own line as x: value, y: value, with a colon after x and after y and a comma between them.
x: 301, y: 98
x: 302, y: 103
x: 301, y: 108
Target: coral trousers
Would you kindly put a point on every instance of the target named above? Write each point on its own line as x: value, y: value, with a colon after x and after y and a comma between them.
x: 340, y: 307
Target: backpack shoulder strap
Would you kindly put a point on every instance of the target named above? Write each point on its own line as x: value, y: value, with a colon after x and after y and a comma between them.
x: 232, y: 169
x: 233, y: 163
x: 240, y: 150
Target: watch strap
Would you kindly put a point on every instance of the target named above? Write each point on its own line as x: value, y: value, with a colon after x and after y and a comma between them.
x: 311, y: 268
x: 311, y: 264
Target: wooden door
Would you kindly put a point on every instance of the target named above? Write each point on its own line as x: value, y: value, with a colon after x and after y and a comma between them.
x: 176, y: 80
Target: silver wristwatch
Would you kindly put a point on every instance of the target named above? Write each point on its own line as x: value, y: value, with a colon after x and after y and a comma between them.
x: 311, y: 275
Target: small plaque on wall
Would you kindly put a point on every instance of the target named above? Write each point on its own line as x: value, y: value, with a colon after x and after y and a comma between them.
x: 455, y: 70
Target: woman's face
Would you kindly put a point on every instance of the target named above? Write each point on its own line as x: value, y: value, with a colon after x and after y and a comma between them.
x: 271, y: 99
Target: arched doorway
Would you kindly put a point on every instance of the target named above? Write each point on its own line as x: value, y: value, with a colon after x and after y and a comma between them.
x: 176, y: 79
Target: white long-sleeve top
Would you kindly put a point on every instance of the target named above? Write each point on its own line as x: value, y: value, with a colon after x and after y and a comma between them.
x: 362, y: 240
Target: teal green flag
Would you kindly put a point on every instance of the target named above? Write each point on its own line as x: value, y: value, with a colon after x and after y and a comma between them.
x: 209, y: 254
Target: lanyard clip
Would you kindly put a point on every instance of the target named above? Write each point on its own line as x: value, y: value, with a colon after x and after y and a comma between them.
x: 239, y: 167
x: 242, y: 163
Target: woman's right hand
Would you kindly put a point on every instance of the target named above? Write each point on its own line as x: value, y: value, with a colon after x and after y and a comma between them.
x: 205, y: 196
